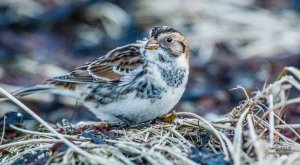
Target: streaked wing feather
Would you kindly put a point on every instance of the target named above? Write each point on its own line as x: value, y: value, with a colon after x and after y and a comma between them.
x: 109, y: 68
x: 117, y: 63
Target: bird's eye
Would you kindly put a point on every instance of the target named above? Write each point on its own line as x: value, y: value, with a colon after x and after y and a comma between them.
x: 169, y: 39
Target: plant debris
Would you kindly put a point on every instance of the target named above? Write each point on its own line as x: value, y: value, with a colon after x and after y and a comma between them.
x: 255, y: 132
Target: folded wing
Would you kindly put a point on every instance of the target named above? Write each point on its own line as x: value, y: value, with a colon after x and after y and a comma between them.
x: 111, y: 68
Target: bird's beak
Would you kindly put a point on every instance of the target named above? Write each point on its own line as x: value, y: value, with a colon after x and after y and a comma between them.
x: 152, y: 44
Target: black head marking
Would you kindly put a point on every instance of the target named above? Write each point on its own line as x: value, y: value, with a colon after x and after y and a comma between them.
x: 183, y: 46
x: 157, y: 30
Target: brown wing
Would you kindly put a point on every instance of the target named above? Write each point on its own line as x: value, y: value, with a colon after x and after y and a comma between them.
x: 109, y: 68
x: 119, y: 63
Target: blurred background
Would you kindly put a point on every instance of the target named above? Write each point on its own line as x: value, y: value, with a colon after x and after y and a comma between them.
x: 232, y: 43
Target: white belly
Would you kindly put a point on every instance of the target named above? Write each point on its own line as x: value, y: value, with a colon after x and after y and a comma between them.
x: 137, y: 109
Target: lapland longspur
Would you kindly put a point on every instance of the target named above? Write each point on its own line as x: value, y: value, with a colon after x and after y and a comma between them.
x: 137, y: 82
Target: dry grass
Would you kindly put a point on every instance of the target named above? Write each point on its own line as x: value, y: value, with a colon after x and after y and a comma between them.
x: 252, y: 133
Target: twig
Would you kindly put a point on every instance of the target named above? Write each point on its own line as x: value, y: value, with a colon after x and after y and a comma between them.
x: 295, y: 132
x: 243, y: 89
x: 276, y: 106
x: 271, y: 121
x: 26, y: 142
x: 212, y: 129
x: 46, y: 134
x: 66, y: 141
x: 237, y: 139
x: 254, y: 139
x: 3, y: 129
x: 284, y: 126
x: 186, y: 160
x: 20, y: 154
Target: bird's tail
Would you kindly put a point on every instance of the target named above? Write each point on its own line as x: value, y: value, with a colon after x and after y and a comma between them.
x: 28, y: 91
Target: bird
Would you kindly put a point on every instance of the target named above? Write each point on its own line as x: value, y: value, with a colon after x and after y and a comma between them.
x: 137, y: 82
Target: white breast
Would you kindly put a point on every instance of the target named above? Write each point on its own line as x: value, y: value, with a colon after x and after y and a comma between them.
x: 138, y: 109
